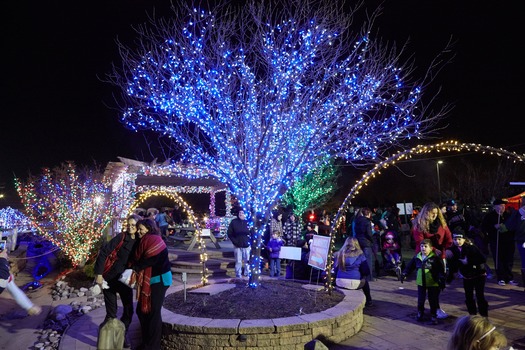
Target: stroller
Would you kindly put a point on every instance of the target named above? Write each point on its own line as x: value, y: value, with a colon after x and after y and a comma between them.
x: 391, y: 254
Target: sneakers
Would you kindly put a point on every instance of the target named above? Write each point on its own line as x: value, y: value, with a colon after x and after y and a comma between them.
x: 433, y: 320
x: 420, y: 317
x: 398, y: 273
x: 441, y: 314
x: 501, y: 283
x: 34, y: 310
x: 513, y: 283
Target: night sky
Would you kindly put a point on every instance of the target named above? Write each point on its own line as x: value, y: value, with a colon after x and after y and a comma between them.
x: 56, y: 106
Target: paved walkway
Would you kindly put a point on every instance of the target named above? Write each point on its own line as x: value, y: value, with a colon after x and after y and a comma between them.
x: 389, y: 324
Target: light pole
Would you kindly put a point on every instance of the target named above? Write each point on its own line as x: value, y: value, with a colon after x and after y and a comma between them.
x: 439, y: 182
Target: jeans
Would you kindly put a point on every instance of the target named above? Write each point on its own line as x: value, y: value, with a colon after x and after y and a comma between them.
x: 369, y: 255
x: 242, y: 258
x: 275, y: 267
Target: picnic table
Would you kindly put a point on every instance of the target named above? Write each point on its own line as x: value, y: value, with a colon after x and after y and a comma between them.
x: 185, y: 234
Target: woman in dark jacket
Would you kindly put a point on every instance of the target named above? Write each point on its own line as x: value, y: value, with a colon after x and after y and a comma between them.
x: 112, y: 260
x: 153, y: 278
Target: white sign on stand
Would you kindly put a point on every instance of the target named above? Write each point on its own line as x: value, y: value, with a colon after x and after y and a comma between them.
x: 319, y: 252
x: 405, y: 208
x: 290, y: 253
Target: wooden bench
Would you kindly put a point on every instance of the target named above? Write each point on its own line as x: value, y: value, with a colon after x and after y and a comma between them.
x: 181, y: 236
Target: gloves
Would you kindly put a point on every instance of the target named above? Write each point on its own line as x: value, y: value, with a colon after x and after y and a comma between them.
x: 101, y: 282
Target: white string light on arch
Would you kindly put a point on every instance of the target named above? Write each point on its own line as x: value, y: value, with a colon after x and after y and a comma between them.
x: 447, y: 146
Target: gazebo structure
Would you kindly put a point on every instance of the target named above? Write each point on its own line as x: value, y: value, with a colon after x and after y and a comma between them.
x: 134, y: 181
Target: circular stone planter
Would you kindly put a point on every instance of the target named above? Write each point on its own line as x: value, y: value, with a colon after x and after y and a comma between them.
x: 336, y: 324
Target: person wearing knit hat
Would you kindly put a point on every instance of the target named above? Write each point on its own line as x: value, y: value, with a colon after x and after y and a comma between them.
x: 501, y: 241
x: 469, y: 261
x: 455, y: 217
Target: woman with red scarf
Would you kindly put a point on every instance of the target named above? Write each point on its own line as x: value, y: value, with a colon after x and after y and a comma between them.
x: 153, y: 278
x: 431, y: 224
x: 111, y: 262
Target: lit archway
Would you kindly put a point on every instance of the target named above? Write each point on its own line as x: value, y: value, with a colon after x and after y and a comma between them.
x: 447, y: 146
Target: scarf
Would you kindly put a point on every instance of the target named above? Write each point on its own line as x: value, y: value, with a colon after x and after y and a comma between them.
x: 433, y: 227
x: 112, y: 257
x: 149, y: 246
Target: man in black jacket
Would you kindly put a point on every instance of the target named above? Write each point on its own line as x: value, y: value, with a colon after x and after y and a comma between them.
x: 239, y: 234
x: 501, y: 241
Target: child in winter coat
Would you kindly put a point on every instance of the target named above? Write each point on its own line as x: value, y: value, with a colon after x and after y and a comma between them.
x: 391, y: 249
x: 274, y: 248
x: 430, y: 279
x: 469, y: 261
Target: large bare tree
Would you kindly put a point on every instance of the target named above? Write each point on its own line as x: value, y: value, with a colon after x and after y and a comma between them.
x: 261, y: 94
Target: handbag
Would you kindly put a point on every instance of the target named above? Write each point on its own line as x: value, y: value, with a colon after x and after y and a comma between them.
x: 111, y: 335
x: 128, y: 278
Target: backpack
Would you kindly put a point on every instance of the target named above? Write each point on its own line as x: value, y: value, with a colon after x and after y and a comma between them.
x: 111, y: 335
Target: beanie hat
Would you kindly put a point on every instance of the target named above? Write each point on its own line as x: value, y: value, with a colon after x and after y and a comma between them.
x: 458, y: 233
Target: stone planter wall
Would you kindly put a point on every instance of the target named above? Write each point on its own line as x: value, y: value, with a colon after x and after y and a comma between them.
x: 335, y: 325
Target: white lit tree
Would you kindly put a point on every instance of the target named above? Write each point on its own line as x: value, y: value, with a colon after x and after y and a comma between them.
x: 70, y: 207
x: 261, y: 94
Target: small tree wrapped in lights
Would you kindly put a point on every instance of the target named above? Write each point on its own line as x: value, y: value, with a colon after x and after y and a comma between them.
x: 69, y: 207
x: 313, y: 189
x: 261, y: 95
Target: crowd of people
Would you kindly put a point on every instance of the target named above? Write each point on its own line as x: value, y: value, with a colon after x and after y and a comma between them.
x: 445, y: 246
x: 448, y: 244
